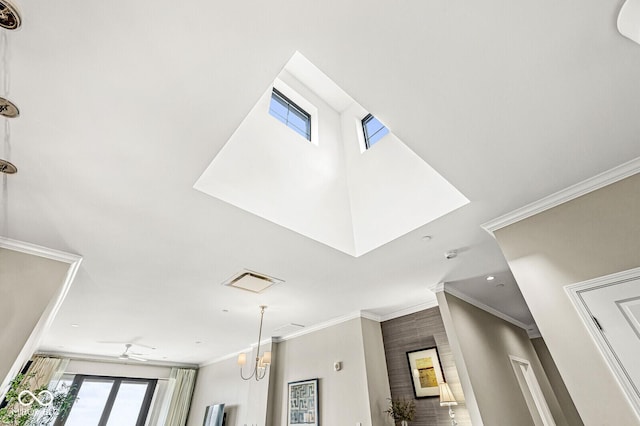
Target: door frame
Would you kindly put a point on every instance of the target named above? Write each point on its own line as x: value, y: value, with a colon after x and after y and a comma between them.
x: 575, y: 293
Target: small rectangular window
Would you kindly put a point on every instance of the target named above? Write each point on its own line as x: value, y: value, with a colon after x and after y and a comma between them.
x: 373, y: 129
x: 290, y: 114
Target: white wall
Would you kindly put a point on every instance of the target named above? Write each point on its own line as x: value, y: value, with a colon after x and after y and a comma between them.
x: 28, y: 283
x: 272, y: 171
x: 390, y: 184
x: 591, y: 236
x: 116, y: 369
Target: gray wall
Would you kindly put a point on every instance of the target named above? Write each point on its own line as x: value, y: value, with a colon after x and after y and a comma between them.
x: 28, y: 283
x: 357, y: 393
x: 588, y: 237
x: 245, y: 401
x: 559, y: 388
x: 344, y: 396
x: 485, y: 343
x: 376, y: 371
x: 416, y: 331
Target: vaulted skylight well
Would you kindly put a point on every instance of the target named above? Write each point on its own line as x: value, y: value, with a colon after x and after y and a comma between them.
x: 326, y: 190
x: 294, y: 117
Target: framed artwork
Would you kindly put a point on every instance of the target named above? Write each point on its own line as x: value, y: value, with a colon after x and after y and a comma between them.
x: 426, y: 372
x: 303, y: 403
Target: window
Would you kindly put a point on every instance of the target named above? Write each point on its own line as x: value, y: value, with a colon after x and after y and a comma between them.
x: 373, y: 130
x: 109, y: 401
x: 290, y: 114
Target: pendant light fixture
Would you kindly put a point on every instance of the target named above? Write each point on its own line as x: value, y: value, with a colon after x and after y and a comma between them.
x: 259, y: 369
x: 10, y: 18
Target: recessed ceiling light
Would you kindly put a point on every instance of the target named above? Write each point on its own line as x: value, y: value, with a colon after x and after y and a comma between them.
x: 499, y: 285
x: 225, y: 310
x: 427, y: 238
x: 491, y: 278
x: 198, y: 342
x: 75, y: 325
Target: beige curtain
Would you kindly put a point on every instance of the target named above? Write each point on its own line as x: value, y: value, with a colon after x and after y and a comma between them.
x: 39, y: 373
x: 181, y: 385
x: 42, y: 370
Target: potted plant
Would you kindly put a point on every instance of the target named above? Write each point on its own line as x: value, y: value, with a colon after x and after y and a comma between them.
x: 16, y: 414
x: 401, y: 410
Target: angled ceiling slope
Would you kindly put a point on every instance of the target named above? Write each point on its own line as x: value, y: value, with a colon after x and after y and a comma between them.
x: 330, y: 189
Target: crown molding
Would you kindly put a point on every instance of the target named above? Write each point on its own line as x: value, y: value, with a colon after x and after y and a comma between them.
x: 533, y: 332
x: 601, y: 180
x: 326, y: 324
x: 37, y: 250
x: 486, y: 308
x: 437, y: 288
x: 111, y: 360
x: 51, y: 310
x: 408, y: 311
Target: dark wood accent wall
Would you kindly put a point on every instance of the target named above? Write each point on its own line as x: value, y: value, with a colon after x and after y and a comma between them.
x: 416, y: 331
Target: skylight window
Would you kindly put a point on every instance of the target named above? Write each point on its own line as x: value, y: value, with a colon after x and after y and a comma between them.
x: 373, y: 129
x: 290, y: 114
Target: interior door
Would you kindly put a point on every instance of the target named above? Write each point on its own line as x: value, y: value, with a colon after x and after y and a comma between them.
x: 610, y: 307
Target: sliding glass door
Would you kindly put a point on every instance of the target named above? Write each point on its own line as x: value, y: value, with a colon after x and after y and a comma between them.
x: 109, y: 401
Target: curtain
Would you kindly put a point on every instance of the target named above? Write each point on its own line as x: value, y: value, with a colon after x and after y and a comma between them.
x: 42, y: 370
x: 181, y: 384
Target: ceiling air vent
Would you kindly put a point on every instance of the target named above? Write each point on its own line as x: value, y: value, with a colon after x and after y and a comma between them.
x: 251, y: 281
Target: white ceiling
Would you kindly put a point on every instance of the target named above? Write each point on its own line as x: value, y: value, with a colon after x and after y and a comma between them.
x: 123, y: 105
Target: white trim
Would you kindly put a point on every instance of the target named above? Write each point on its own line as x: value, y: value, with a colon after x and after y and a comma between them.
x: 437, y: 288
x: 533, y: 331
x: 574, y: 292
x: 37, y: 250
x: 370, y: 316
x: 601, y: 180
x: 113, y: 360
x: 486, y: 308
x: 327, y: 324
x: 408, y: 311
x: 50, y: 312
x: 523, y: 366
x: 302, y: 332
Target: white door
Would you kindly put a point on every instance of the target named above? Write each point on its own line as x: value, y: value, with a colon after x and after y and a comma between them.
x: 610, y: 307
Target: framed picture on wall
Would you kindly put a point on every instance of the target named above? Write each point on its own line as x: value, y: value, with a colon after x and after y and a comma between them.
x: 425, y: 371
x: 302, y: 403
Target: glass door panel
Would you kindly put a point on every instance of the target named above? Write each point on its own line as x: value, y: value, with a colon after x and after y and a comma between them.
x: 126, y: 408
x: 88, y: 408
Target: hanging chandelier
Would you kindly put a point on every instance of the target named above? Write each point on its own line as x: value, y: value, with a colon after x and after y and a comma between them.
x: 259, y: 369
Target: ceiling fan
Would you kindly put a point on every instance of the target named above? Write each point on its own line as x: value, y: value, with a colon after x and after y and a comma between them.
x: 130, y: 355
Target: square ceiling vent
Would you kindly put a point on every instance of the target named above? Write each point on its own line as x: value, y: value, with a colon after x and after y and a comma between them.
x: 252, y: 281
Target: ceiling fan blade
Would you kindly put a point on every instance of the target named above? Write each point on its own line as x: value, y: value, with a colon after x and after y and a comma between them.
x: 136, y: 358
x: 109, y: 342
